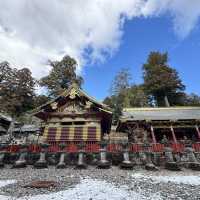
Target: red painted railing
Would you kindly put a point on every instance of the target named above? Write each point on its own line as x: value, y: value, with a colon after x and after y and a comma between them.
x: 13, y: 148
x: 157, y: 147
x: 114, y: 147
x: 53, y: 148
x: 34, y: 148
x: 71, y: 148
x: 94, y: 147
x: 177, y: 147
x: 196, y: 147
x: 135, y: 148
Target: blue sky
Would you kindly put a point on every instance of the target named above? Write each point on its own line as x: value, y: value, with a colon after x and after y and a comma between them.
x: 117, y: 35
x: 141, y: 36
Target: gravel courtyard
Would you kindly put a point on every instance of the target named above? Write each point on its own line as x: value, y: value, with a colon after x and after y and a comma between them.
x: 96, y: 184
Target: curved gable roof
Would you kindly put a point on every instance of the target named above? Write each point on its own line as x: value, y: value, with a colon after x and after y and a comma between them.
x: 74, y: 90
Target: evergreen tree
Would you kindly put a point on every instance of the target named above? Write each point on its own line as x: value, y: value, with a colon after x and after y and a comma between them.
x: 5, y: 72
x: 121, y: 81
x: 40, y: 100
x: 61, y: 76
x: 116, y: 103
x: 119, y: 88
x: 16, y: 90
x: 160, y: 80
x: 137, y: 97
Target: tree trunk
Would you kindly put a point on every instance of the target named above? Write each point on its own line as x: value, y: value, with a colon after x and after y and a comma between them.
x: 11, y: 129
x: 166, y: 101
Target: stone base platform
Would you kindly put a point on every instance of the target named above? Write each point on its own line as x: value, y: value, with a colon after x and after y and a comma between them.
x: 61, y: 166
x: 40, y: 165
x: 194, y: 166
x: 151, y: 167
x: 81, y: 166
x: 19, y: 165
x: 126, y: 165
x: 103, y: 165
x: 173, y: 166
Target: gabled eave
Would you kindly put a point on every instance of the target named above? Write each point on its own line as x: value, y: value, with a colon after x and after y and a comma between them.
x: 39, y: 112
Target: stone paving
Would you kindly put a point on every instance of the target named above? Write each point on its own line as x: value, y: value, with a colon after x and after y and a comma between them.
x: 137, y: 180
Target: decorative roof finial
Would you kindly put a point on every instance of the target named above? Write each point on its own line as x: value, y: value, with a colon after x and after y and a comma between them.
x: 74, y: 85
x: 74, y: 90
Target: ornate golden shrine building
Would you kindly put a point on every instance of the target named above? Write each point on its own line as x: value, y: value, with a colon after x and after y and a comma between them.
x: 74, y: 117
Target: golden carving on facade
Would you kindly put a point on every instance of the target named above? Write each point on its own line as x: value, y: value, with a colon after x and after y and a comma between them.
x: 54, y: 105
x: 88, y: 105
x: 72, y: 107
x: 73, y: 93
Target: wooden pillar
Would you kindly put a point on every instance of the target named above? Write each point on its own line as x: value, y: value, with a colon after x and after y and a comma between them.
x: 173, y: 134
x: 153, y: 135
x: 198, y: 131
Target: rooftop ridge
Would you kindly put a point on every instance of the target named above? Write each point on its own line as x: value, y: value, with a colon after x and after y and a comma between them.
x: 161, y: 108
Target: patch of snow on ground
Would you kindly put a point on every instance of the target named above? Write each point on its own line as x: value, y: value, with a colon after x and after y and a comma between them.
x: 6, y: 182
x: 190, y: 180
x: 91, y: 189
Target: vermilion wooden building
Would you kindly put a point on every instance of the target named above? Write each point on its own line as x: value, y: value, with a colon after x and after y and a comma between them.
x: 176, y: 123
x: 74, y: 117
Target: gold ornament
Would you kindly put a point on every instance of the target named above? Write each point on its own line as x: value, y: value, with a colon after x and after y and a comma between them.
x: 73, y: 93
x: 54, y: 105
x: 88, y: 105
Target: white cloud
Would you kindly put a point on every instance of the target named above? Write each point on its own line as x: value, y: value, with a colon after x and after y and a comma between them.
x: 184, y: 13
x: 31, y: 32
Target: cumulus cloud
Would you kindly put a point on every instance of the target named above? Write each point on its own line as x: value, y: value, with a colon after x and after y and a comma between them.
x: 184, y: 13
x: 31, y: 32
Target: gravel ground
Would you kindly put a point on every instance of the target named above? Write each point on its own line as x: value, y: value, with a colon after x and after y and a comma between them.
x: 137, y: 180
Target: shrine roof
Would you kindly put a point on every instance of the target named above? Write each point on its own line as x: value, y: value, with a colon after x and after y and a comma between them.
x: 27, y: 128
x: 2, y: 129
x: 71, y: 92
x: 5, y: 117
x: 156, y: 113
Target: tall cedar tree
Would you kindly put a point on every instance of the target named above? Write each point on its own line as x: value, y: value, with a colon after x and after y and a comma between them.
x: 121, y: 81
x: 137, y: 97
x: 16, y: 90
x: 61, y: 76
x: 160, y: 80
x: 119, y: 95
